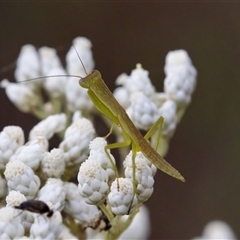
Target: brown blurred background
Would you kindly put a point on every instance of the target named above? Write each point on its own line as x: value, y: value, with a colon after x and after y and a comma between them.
x: 206, y: 145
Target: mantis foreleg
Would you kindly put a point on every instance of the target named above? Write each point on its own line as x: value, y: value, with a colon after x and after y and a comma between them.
x: 102, y: 107
x: 117, y: 145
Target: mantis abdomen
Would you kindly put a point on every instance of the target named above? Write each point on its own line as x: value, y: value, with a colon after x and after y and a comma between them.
x: 158, y: 160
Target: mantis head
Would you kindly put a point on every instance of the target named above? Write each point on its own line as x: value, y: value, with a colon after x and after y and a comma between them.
x: 90, y: 79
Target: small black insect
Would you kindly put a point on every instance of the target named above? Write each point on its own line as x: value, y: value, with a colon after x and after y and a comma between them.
x: 35, y: 206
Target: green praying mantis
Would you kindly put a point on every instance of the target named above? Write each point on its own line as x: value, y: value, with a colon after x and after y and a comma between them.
x: 106, y: 103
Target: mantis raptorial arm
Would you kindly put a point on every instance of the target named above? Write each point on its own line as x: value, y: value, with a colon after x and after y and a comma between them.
x: 102, y: 107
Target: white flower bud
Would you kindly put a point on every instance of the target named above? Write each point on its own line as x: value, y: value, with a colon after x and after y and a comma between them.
x: 28, y: 65
x: 143, y: 175
x: 142, y: 111
x: 53, y: 191
x: 31, y: 154
x: 21, y: 178
x: 21, y: 95
x: 177, y: 58
x: 180, y: 79
x: 122, y: 96
x: 47, y: 228
x: 55, y: 86
x: 53, y: 164
x: 49, y: 60
x: 217, y: 230
x: 87, y: 215
x: 138, y: 81
x: 11, y: 138
x: 121, y: 197
x: 122, y: 79
x: 97, y: 153
x: 93, y: 182
x: 83, y: 47
x: 77, y: 97
x: 15, y: 198
x: 10, y: 224
x: 76, y: 141
x: 168, y: 111
x: 49, y: 126
x: 76, y: 116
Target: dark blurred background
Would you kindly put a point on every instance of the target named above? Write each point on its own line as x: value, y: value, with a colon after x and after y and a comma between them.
x: 206, y: 145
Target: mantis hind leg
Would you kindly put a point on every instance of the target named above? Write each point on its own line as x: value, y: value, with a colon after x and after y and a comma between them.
x: 152, y: 130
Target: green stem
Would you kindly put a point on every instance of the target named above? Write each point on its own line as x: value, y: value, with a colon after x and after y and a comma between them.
x: 108, y: 213
x: 119, y: 225
x: 76, y: 229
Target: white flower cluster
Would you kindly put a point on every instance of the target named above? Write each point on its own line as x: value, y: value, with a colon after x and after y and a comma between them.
x: 45, y: 62
x: 28, y: 166
x: 79, y: 178
x: 144, y: 105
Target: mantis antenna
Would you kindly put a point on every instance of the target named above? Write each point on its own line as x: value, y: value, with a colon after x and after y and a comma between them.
x: 81, y: 61
x: 66, y: 75
x: 51, y: 76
